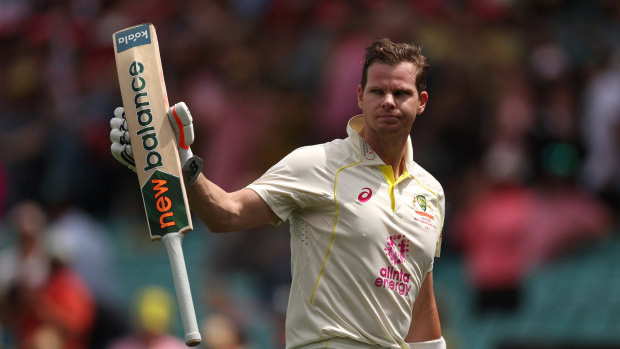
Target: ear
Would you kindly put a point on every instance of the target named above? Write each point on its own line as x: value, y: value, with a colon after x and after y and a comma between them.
x: 423, y: 99
x: 360, y: 93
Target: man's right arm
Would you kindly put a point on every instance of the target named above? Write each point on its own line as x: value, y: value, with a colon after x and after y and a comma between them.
x: 223, y: 212
x: 219, y: 210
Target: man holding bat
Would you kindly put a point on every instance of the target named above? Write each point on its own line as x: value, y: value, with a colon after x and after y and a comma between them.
x: 365, y: 219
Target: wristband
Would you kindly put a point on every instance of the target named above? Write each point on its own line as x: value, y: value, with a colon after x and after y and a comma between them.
x: 439, y: 343
x: 191, y: 165
x: 191, y: 170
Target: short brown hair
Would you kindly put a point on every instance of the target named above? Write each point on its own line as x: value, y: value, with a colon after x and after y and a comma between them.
x: 385, y: 51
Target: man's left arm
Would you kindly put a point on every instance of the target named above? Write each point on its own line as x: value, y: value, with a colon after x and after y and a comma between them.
x: 425, y: 328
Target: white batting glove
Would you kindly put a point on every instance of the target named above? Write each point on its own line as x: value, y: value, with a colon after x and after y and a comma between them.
x: 119, y: 135
x: 181, y: 121
x: 182, y: 124
x: 433, y: 344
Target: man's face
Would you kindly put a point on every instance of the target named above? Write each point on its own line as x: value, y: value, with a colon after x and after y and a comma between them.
x: 390, y: 101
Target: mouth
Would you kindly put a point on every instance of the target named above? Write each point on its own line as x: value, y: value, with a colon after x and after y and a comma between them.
x: 388, y: 117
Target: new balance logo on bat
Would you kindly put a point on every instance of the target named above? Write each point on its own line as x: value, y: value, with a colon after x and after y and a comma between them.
x: 163, y: 200
x: 163, y: 203
x: 145, y: 117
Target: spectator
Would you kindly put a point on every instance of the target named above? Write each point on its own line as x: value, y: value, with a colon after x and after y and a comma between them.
x: 493, y: 230
x: 154, y: 312
x: 601, y: 132
x: 221, y: 333
x: 46, y: 302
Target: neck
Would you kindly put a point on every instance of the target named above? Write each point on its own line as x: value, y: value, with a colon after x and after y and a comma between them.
x: 391, y: 151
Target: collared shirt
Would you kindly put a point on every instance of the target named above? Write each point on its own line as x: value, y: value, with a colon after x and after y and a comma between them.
x: 362, y: 241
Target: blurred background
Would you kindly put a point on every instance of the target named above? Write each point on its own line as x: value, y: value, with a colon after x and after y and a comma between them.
x: 522, y: 129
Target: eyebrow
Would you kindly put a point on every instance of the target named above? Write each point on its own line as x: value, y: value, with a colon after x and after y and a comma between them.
x: 397, y: 88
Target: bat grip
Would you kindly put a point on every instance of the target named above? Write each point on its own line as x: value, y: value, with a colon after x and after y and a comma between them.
x: 172, y: 241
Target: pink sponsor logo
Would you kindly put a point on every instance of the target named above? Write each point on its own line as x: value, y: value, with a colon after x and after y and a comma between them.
x: 365, y: 195
x: 397, y: 248
x: 390, y: 278
x: 394, y: 280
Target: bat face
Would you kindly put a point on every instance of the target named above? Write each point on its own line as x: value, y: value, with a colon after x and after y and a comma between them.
x: 155, y: 152
x: 146, y: 105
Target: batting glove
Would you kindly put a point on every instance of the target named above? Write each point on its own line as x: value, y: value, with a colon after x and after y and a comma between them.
x: 181, y: 121
x: 182, y: 124
x: 119, y: 135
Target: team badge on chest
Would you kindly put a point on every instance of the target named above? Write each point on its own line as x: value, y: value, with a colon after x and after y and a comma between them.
x: 423, y: 213
x: 420, y: 201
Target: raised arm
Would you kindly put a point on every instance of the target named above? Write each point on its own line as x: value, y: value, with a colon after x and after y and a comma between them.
x: 219, y: 210
x: 223, y: 212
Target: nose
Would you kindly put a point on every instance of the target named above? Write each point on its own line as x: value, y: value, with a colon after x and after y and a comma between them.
x: 388, y: 101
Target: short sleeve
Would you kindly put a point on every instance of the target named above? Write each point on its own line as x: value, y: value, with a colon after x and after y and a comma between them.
x: 298, y: 181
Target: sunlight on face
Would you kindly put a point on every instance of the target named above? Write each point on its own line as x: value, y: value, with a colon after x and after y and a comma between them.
x: 390, y: 101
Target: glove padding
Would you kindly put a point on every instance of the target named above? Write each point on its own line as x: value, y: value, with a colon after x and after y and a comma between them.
x: 119, y: 135
x: 181, y: 121
x: 183, y: 126
x: 439, y: 343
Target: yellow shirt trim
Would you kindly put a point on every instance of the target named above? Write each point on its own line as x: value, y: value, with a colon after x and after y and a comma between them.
x: 331, y: 239
x: 388, y: 174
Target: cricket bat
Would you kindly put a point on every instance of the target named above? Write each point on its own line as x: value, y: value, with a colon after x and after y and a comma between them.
x: 143, y: 90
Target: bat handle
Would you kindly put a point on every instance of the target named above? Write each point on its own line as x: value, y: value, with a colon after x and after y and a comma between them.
x: 172, y: 241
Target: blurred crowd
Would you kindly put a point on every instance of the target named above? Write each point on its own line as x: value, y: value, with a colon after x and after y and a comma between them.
x: 522, y: 129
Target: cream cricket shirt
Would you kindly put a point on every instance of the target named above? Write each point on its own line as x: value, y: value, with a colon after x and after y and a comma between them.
x: 361, y: 241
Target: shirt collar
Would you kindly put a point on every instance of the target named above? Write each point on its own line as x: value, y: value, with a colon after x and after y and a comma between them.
x: 367, y: 154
